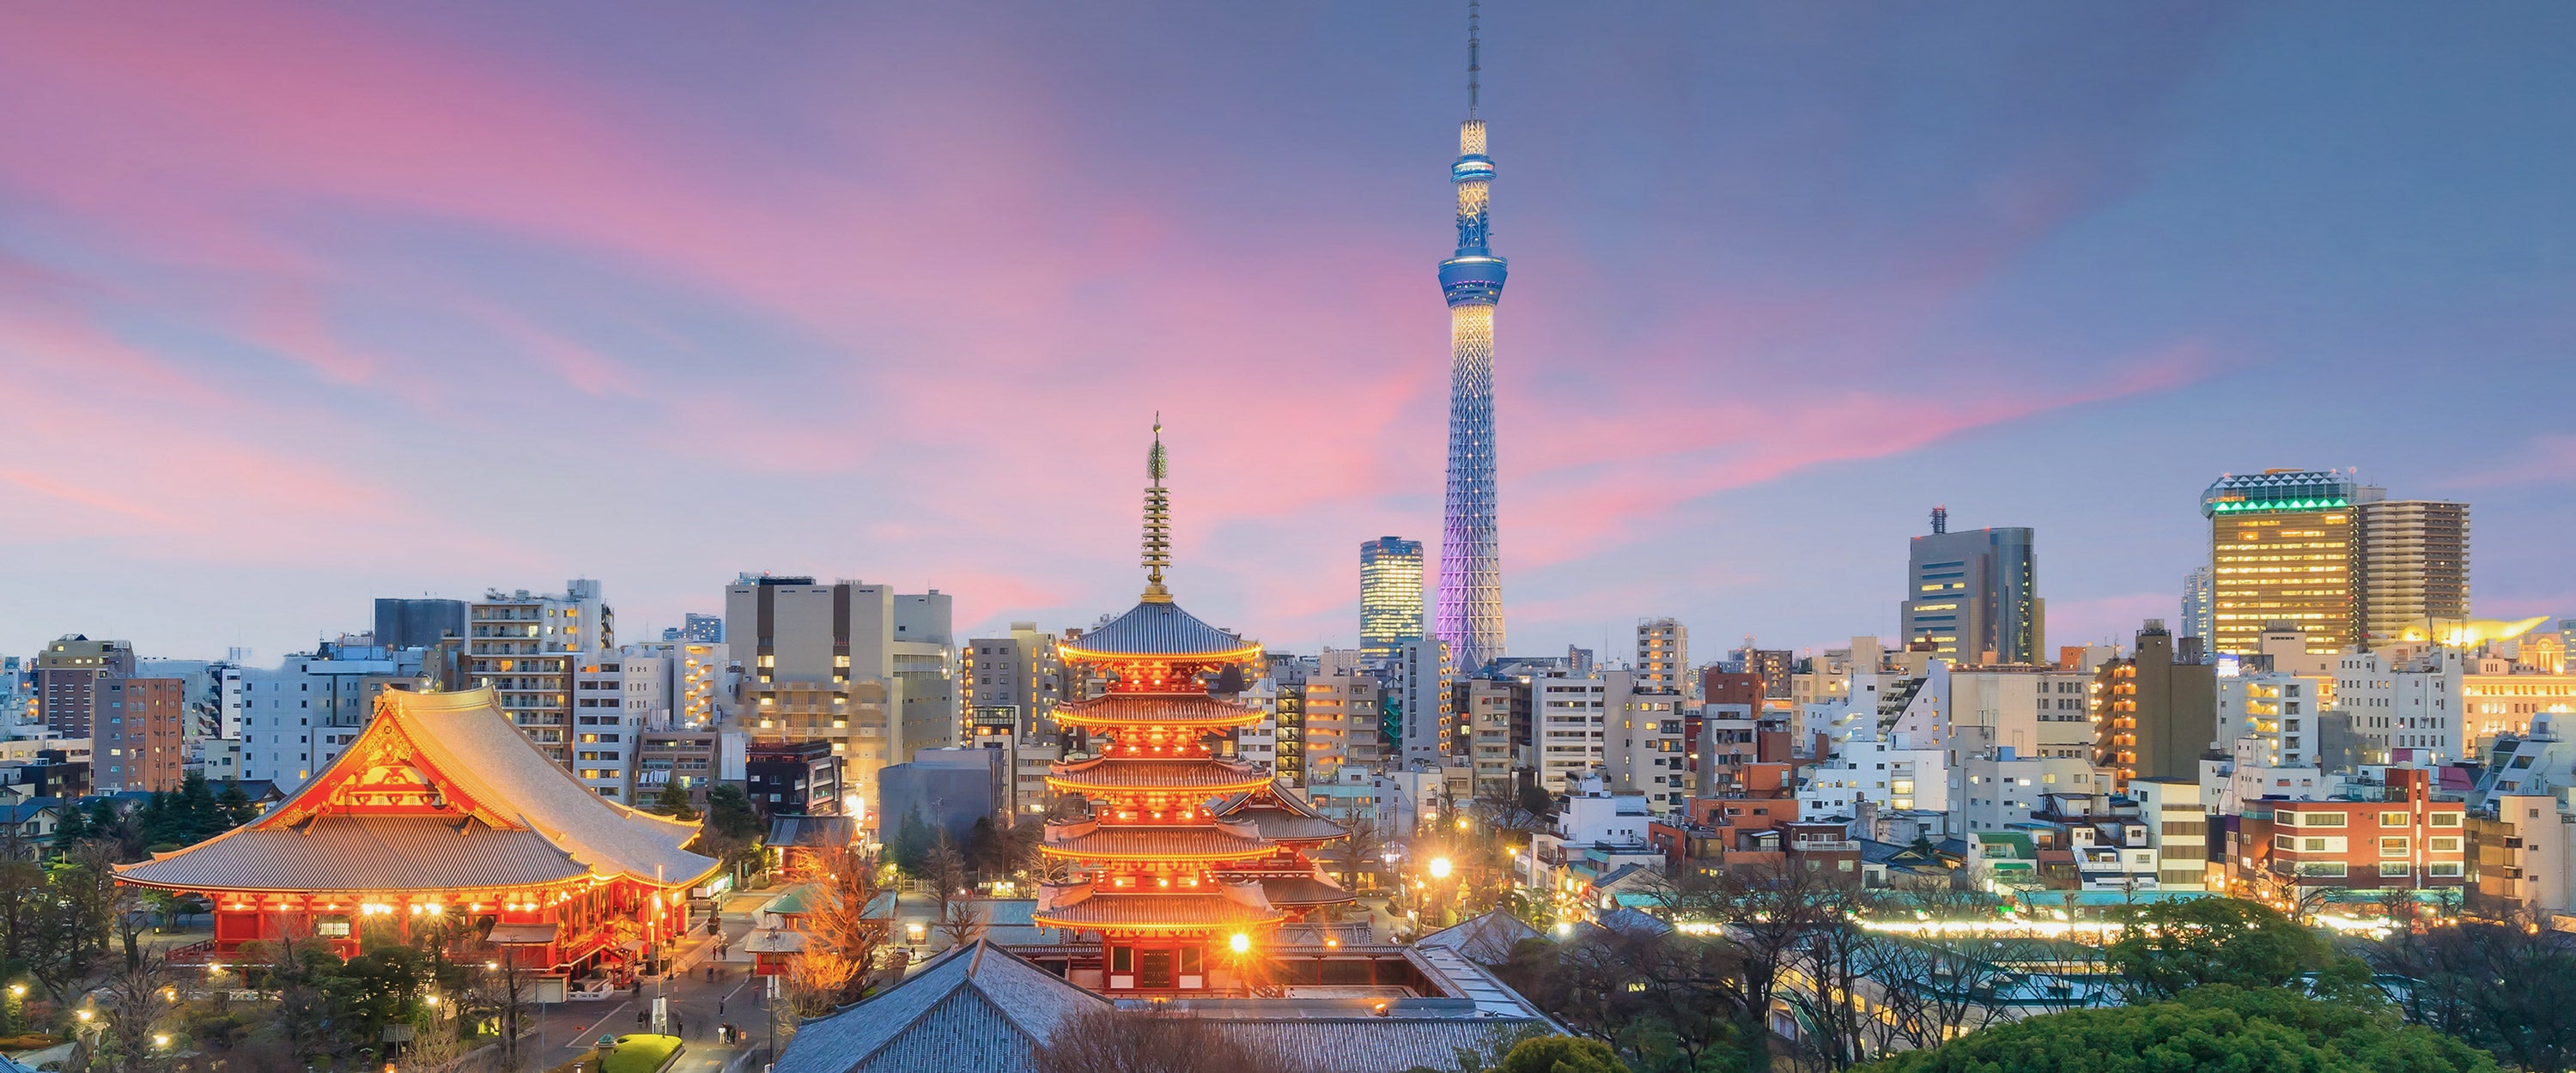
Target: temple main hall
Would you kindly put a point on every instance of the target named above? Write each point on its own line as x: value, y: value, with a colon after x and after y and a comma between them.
x: 442, y: 815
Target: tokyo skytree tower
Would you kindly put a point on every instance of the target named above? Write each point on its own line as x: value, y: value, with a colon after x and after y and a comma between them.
x: 1469, y: 609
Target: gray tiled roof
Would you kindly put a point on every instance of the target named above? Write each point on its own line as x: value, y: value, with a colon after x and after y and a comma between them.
x: 974, y: 1009
x: 1485, y: 940
x: 1155, y: 629
x: 819, y: 832
x: 358, y: 853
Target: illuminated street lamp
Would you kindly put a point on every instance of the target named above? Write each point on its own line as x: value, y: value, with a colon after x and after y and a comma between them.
x: 1439, y: 867
x: 1240, y: 943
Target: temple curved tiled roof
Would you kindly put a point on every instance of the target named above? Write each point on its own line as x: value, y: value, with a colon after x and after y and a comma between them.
x: 1155, y: 629
x: 1281, y: 816
x: 1303, y: 891
x: 360, y: 853
x: 495, y: 799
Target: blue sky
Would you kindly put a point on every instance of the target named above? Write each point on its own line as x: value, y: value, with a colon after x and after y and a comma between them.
x: 302, y: 305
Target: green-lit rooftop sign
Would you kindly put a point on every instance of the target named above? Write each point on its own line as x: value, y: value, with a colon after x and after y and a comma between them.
x: 2240, y: 506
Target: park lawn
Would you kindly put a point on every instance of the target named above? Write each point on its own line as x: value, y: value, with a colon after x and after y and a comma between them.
x: 640, y: 1053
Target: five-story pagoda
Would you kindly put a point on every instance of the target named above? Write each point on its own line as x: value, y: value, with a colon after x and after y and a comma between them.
x: 1172, y: 889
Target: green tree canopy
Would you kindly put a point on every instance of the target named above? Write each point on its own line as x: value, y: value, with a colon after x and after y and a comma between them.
x: 2170, y: 947
x: 2218, y: 1027
x: 1560, y: 1054
x: 674, y: 802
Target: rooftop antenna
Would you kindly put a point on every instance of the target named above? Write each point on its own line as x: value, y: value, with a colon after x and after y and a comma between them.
x: 1940, y: 520
x: 1473, y: 48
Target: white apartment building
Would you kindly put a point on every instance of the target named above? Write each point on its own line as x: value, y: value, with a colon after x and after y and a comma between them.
x: 1996, y: 787
x: 2277, y: 711
x: 1570, y: 725
x: 616, y: 697
x: 2413, y: 705
x: 1646, y: 750
x: 2177, y: 815
x: 300, y: 716
x: 1889, y: 771
x: 526, y: 645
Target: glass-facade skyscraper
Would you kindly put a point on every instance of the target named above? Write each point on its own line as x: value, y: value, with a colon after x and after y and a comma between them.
x: 1390, y: 597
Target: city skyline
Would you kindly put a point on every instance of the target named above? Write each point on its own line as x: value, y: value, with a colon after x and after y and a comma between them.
x: 524, y: 303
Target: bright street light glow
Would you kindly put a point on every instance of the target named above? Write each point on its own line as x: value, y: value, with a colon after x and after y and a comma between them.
x: 1439, y: 867
x: 1241, y: 943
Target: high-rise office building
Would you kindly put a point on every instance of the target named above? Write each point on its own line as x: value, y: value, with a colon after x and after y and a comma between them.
x: 2414, y: 566
x: 2199, y: 604
x: 1390, y: 596
x: 1973, y: 596
x: 2282, y: 549
x: 849, y: 663
x: 417, y: 623
x: 1663, y: 655
x: 1469, y: 608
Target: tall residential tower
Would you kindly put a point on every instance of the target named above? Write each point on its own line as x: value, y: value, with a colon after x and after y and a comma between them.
x: 1469, y: 609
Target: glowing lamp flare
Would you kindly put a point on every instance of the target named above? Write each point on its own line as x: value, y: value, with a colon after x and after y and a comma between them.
x: 1439, y: 867
x: 1240, y: 943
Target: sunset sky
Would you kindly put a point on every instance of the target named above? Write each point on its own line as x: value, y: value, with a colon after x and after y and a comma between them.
x: 302, y: 305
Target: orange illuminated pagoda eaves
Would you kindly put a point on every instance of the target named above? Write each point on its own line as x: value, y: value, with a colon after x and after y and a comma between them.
x: 1175, y: 892
x: 441, y: 811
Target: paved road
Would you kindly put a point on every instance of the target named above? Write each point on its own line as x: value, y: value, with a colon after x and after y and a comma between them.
x: 568, y: 1028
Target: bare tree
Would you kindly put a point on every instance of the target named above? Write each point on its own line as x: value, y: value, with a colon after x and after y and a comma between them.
x: 139, y: 999
x: 962, y: 922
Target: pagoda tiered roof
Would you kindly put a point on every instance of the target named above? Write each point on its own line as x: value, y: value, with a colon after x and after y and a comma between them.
x: 1093, y: 840
x: 1206, y: 776
x: 1157, y: 628
x: 1188, y: 711
x: 1084, y: 906
x: 440, y: 793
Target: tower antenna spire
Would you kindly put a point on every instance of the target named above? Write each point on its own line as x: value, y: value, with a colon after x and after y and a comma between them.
x: 1474, y: 49
x: 1158, y: 519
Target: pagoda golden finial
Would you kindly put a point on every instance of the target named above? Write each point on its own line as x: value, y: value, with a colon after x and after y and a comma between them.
x: 1158, y: 519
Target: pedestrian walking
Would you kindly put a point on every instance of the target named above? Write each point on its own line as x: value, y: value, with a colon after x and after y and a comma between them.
x: 719, y: 1007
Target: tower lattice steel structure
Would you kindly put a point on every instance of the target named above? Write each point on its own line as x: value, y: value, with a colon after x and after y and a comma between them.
x: 1469, y: 609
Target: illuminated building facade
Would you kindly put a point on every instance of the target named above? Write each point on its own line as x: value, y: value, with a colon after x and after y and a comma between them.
x: 442, y: 815
x: 1663, y: 655
x: 2155, y: 712
x: 1468, y: 611
x: 1973, y: 596
x: 1390, y: 597
x: 2283, y: 548
x: 1190, y: 858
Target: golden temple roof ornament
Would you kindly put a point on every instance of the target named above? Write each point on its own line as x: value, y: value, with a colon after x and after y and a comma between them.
x: 1158, y: 520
